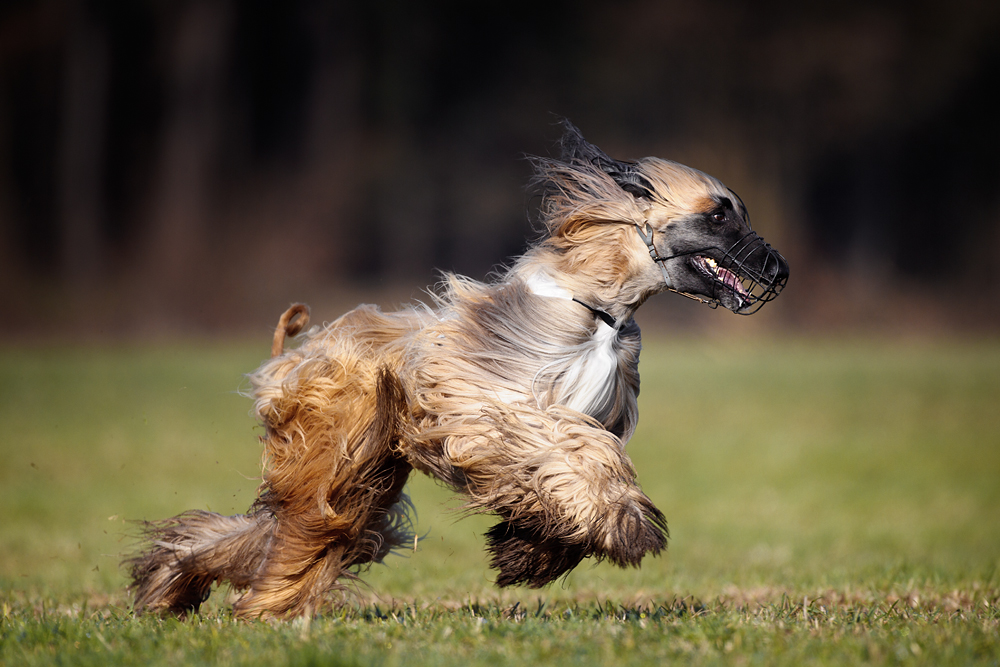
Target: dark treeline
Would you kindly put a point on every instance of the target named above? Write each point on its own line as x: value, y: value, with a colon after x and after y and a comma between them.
x: 193, y: 164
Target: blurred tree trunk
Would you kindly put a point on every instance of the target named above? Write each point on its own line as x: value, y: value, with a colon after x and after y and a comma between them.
x: 81, y: 159
x: 177, y: 244
x: 404, y: 191
x: 9, y: 263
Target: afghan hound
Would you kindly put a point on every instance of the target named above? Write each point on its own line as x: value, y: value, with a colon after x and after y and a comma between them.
x: 519, y: 394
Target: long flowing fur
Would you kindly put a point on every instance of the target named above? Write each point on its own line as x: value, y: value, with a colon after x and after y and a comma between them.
x: 520, y: 394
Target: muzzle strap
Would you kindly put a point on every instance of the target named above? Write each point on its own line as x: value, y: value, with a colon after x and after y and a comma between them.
x: 647, y: 238
x: 602, y: 315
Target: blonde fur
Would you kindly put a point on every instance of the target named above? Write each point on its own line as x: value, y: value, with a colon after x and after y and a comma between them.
x: 514, y: 393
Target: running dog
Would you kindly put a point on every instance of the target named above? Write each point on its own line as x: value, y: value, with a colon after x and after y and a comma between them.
x: 519, y: 394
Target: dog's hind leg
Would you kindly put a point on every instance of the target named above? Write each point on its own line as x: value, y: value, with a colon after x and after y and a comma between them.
x: 333, y: 484
x: 562, y: 484
x: 190, y: 552
x: 312, y: 550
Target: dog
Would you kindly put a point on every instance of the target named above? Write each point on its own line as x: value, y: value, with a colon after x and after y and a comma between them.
x: 519, y: 394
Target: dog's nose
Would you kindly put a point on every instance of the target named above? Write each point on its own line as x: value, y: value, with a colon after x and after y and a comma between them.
x: 778, y: 266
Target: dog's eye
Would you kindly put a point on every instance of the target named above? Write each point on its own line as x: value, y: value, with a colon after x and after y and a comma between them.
x: 719, y: 216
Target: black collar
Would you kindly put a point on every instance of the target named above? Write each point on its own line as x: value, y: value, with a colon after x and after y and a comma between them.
x: 604, y: 316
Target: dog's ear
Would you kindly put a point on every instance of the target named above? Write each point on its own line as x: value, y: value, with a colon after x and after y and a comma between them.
x: 577, y: 150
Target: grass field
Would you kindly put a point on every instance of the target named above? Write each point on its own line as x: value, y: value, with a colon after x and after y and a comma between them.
x: 830, y: 501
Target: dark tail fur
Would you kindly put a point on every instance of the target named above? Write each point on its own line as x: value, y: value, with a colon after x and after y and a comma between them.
x: 189, y: 552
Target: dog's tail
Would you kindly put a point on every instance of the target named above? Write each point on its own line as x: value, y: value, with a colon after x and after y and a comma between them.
x: 189, y: 552
x: 292, y: 321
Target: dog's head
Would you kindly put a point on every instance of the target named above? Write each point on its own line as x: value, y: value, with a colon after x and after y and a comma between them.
x: 696, y: 230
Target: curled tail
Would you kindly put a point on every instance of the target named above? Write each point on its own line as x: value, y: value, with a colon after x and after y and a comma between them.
x: 291, y: 323
x: 189, y: 552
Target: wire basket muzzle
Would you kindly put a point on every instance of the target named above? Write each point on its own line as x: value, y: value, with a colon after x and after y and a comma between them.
x: 753, y: 271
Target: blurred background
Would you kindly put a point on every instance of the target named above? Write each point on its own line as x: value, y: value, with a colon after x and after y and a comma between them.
x: 177, y: 172
x: 191, y: 167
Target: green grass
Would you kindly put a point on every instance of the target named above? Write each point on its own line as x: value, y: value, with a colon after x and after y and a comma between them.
x: 830, y: 501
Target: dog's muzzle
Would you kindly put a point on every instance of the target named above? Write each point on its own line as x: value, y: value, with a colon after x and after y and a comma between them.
x: 753, y: 271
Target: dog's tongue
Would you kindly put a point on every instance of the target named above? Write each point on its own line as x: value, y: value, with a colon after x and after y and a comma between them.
x: 732, y: 281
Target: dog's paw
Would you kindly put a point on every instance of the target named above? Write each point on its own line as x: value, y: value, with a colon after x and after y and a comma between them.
x: 525, y: 557
x: 633, y: 532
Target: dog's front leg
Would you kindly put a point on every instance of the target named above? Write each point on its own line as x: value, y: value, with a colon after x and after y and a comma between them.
x: 563, y: 485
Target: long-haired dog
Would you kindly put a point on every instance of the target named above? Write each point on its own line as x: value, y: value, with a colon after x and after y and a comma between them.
x: 520, y: 394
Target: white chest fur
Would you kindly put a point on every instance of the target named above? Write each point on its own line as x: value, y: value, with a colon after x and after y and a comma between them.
x: 582, y: 375
x: 588, y: 381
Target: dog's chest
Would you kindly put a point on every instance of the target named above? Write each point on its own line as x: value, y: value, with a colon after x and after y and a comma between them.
x: 583, y: 374
x: 589, y: 378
